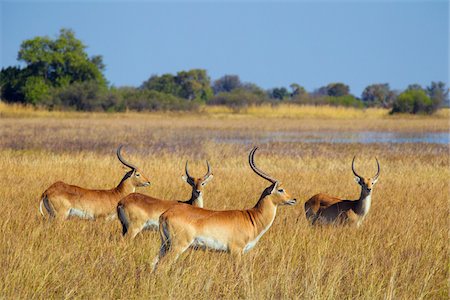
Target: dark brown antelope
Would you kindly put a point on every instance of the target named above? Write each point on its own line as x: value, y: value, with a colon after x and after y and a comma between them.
x: 325, y: 209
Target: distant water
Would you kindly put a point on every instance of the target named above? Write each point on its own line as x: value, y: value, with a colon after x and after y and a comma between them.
x: 367, y: 137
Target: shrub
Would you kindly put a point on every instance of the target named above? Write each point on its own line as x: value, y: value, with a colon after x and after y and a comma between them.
x: 36, y: 91
x: 86, y: 96
x: 413, y: 102
x: 150, y: 100
x: 239, y: 98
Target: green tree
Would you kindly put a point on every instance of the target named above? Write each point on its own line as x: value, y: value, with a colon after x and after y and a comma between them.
x: 279, y: 93
x: 36, y: 91
x: 412, y: 101
x: 165, y: 83
x: 333, y: 89
x: 378, y: 95
x: 191, y: 85
x: 12, y: 80
x: 49, y: 64
x: 297, y: 90
x: 338, y: 89
x: 195, y: 84
x: 62, y: 60
x: 226, y: 84
x: 438, y: 94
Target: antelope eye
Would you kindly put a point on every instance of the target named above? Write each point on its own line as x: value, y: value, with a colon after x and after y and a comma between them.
x: 281, y: 191
x: 137, y: 174
x: 203, y: 183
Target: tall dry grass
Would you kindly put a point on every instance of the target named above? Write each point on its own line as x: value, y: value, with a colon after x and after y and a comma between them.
x: 400, y: 251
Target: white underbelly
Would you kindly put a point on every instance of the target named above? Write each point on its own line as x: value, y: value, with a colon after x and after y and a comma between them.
x: 207, y: 242
x: 75, y: 212
x: 150, y: 225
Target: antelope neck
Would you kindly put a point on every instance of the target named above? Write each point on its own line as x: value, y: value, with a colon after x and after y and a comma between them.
x: 125, y: 186
x: 262, y: 214
x: 197, y: 200
x: 364, y: 202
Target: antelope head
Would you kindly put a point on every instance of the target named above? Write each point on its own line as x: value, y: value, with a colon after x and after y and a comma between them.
x: 366, y: 183
x: 137, y: 178
x: 275, y: 192
x: 197, y: 184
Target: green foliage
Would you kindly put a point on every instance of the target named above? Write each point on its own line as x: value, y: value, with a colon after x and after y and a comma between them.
x: 239, y: 98
x: 61, y: 60
x: 334, y: 90
x: 378, y: 95
x: 226, y: 84
x: 12, y: 79
x: 51, y: 64
x: 85, y: 96
x: 438, y: 93
x: 298, y: 91
x: 191, y: 85
x: 36, y: 90
x: 279, y: 93
x: 151, y: 100
x: 413, y: 101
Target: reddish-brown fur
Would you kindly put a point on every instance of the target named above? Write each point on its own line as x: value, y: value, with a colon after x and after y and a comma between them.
x: 62, y: 200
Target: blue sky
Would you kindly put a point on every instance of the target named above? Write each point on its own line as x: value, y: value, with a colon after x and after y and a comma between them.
x: 269, y: 43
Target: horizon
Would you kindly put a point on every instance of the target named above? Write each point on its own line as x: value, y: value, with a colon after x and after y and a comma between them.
x: 269, y: 44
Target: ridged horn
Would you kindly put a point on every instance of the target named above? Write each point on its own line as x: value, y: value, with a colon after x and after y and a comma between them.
x: 122, y: 160
x: 256, y: 169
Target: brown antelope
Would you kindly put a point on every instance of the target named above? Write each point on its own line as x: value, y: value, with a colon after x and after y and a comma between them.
x: 62, y: 200
x: 137, y: 212
x: 322, y: 208
x: 233, y: 231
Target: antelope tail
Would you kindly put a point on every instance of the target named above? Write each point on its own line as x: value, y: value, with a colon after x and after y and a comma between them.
x: 123, y: 218
x: 45, y: 203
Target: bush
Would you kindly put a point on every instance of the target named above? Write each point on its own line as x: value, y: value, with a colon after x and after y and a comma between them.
x: 239, y: 98
x: 36, y: 90
x: 86, y: 96
x: 348, y: 101
x: 413, y: 102
x: 150, y: 100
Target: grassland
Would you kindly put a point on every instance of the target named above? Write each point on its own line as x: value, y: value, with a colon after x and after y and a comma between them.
x: 400, y: 252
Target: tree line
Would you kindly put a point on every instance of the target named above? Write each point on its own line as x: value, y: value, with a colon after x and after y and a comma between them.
x: 59, y: 74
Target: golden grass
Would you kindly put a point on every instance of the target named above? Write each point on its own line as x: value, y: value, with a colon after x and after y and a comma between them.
x: 262, y: 111
x: 401, y: 251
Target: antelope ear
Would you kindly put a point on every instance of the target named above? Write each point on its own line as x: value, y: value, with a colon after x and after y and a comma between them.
x: 375, y: 180
x: 185, y: 178
x: 207, y: 179
x: 357, y: 179
x: 275, y: 187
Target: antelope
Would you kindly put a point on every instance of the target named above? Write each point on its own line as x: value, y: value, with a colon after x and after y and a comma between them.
x: 325, y: 209
x: 138, y: 212
x: 62, y: 200
x: 232, y: 231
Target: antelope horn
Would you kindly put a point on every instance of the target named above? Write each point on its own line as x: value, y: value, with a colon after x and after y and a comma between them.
x: 378, y: 172
x: 208, y: 173
x: 255, y: 168
x: 119, y: 156
x: 187, y: 170
x: 353, y: 167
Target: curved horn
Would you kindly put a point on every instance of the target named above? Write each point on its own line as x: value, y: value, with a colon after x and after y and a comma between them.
x: 353, y: 167
x: 119, y: 156
x: 187, y: 170
x: 255, y: 169
x: 208, y: 173
x: 378, y: 172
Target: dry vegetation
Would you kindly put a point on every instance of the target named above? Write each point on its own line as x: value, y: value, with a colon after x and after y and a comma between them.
x: 399, y: 252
